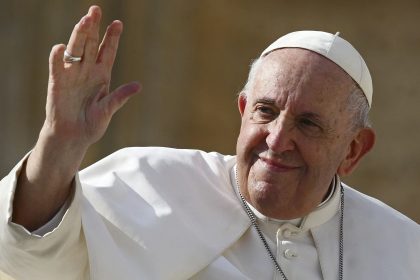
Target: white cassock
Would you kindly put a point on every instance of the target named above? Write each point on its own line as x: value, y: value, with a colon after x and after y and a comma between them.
x: 159, y: 213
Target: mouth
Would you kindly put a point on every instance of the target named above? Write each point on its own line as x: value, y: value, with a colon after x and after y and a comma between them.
x: 276, y: 165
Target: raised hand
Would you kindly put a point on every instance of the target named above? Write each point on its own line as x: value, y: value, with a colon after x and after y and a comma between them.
x: 78, y: 111
x: 79, y: 104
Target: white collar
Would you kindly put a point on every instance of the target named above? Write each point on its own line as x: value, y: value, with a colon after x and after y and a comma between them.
x: 320, y: 215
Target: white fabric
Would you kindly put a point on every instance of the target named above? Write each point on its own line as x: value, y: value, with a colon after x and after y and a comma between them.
x: 332, y: 47
x: 284, y: 237
x: 54, y: 222
x: 59, y: 254
x: 290, y: 241
x: 157, y: 213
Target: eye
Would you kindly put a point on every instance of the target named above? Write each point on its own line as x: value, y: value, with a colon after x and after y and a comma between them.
x: 264, y: 113
x: 310, y: 127
x: 265, y: 110
x: 308, y: 122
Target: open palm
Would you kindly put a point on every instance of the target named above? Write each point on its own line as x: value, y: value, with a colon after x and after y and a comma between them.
x: 79, y: 104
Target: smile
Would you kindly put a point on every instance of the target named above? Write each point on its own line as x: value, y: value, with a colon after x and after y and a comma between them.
x: 276, y: 166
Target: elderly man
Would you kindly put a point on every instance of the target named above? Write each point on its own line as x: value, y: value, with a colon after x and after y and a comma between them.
x: 277, y: 210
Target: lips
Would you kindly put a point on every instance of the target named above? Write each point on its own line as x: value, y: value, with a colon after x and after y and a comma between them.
x: 276, y: 165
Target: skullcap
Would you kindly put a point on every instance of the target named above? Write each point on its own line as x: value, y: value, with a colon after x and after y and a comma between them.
x: 332, y: 47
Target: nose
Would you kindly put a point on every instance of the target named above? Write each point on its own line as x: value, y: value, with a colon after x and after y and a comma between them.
x: 280, y: 136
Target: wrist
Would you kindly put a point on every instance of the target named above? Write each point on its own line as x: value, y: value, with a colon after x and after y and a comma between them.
x: 56, y: 155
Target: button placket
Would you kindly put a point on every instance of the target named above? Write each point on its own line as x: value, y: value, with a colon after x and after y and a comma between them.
x: 290, y: 254
x: 288, y: 231
x: 286, y: 248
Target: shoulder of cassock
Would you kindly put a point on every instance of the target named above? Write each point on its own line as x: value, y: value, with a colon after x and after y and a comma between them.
x: 162, y: 213
x: 379, y: 242
x: 172, y: 212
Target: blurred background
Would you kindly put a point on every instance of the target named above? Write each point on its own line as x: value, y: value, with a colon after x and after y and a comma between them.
x: 192, y: 58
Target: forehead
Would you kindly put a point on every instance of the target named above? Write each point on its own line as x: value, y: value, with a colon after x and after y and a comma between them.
x: 302, y: 77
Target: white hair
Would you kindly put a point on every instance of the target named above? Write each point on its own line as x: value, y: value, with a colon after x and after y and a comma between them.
x: 358, y: 106
x: 251, y: 76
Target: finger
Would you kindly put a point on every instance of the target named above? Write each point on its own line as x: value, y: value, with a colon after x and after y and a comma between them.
x: 56, y: 64
x: 76, y: 44
x: 109, y: 45
x: 120, y: 96
x: 92, y: 38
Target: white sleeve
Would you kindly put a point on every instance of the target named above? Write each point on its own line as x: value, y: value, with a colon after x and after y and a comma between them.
x: 57, y: 253
x: 55, y: 221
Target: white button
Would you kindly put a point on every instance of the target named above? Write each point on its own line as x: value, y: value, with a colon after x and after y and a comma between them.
x: 290, y: 254
x: 287, y: 233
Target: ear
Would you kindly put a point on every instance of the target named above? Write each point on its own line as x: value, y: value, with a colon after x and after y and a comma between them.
x: 242, y: 103
x: 360, y: 146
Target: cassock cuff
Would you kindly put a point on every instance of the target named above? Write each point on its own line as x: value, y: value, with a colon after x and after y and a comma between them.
x: 8, y: 185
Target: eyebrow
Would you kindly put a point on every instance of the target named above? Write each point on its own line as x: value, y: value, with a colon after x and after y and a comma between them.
x: 265, y: 100
x: 312, y: 115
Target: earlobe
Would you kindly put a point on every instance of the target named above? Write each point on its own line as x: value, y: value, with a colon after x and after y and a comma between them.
x: 359, y: 147
x: 242, y: 103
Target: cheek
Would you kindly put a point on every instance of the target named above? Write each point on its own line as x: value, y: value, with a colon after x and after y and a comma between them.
x: 323, y: 157
x: 251, y: 138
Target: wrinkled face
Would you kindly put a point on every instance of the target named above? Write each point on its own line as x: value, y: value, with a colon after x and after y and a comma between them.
x: 295, y: 132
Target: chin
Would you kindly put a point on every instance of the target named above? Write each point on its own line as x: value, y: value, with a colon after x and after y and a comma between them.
x: 275, y: 200
x: 267, y: 195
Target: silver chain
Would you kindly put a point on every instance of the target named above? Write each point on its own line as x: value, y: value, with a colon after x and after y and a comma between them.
x: 341, y: 244
x: 254, y: 223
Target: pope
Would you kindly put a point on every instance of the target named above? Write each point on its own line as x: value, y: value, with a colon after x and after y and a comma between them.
x: 276, y: 210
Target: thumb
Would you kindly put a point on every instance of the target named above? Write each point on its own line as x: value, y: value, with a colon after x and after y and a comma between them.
x: 120, y: 96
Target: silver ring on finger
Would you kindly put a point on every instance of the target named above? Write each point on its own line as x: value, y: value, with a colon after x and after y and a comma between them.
x: 70, y: 58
